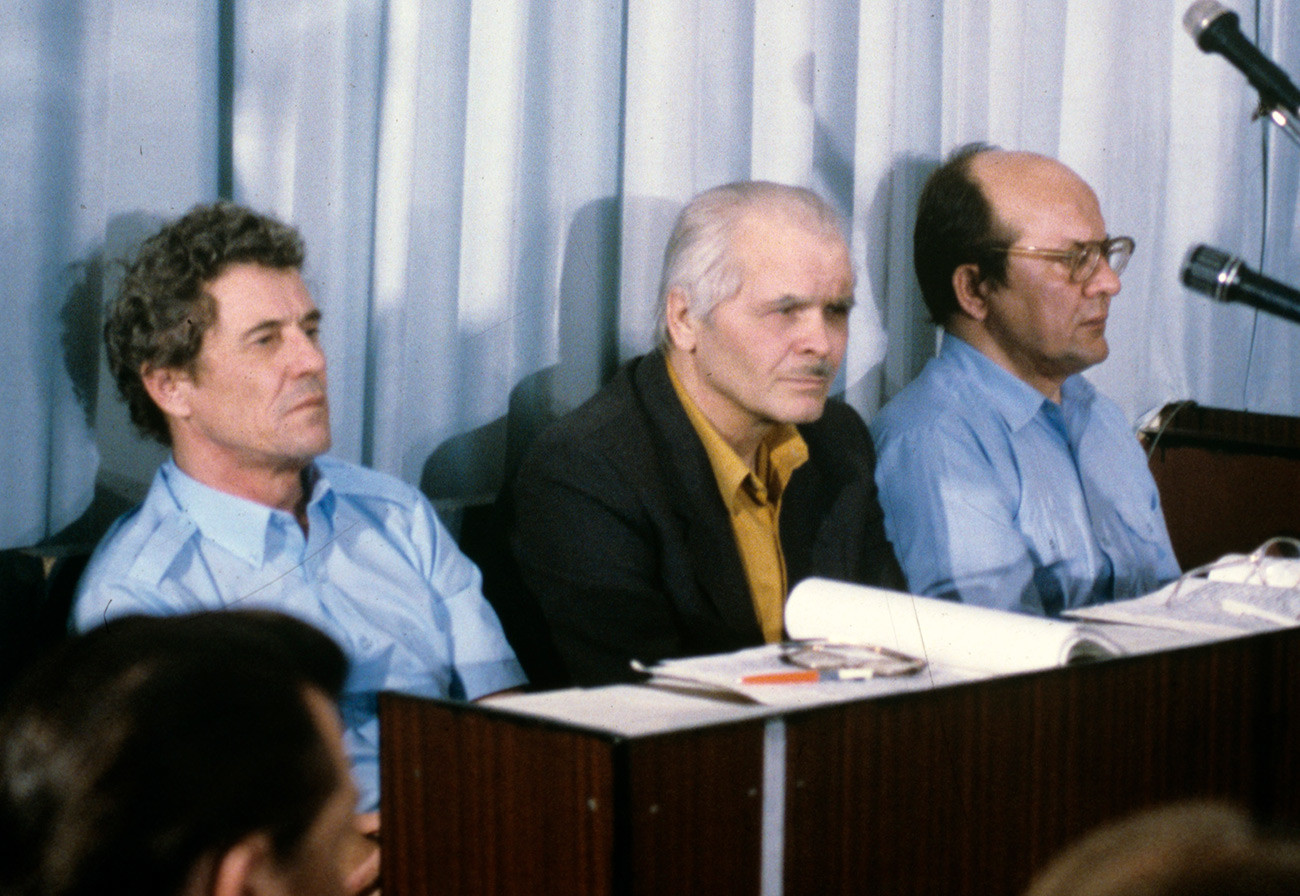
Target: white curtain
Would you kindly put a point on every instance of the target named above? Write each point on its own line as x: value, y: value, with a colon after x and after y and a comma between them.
x: 485, y: 188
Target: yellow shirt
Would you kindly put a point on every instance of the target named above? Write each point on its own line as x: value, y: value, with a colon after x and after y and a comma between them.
x: 753, y: 501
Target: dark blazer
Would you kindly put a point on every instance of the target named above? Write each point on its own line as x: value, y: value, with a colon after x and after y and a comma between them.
x: 620, y: 536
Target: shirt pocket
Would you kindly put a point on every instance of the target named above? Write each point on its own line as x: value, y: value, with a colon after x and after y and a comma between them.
x: 1049, y: 527
x: 1134, y: 509
x: 1137, y: 544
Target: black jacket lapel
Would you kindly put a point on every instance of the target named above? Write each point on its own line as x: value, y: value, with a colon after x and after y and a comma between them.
x: 689, y: 479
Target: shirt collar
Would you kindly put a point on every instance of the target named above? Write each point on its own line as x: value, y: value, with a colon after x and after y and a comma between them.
x: 1077, y: 395
x: 1077, y: 390
x: 1013, y: 398
x: 236, y: 524
x: 782, y: 452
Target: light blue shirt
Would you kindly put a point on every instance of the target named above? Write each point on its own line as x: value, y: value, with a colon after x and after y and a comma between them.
x: 376, y: 571
x: 995, y: 495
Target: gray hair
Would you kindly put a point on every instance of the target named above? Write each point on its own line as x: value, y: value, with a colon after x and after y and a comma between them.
x: 699, y: 258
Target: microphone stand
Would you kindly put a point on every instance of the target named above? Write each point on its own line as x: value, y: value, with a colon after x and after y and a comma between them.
x: 1281, y: 116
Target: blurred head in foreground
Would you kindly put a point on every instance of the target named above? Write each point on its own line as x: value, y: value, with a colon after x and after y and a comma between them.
x: 1186, y: 849
x: 196, y: 754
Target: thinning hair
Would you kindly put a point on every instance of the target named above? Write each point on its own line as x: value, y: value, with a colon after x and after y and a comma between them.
x: 163, y: 307
x: 135, y: 756
x: 700, y: 259
x: 956, y: 225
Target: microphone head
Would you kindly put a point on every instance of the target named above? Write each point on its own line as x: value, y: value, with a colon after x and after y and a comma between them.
x: 1210, y: 271
x: 1201, y: 15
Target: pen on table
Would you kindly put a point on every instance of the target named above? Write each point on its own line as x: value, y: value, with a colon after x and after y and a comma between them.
x: 1241, y: 608
x: 808, y: 676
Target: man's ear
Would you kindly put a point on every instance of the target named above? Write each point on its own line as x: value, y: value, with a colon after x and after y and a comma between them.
x: 169, y: 387
x: 682, y: 324
x: 248, y: 869
x: 971, y: 291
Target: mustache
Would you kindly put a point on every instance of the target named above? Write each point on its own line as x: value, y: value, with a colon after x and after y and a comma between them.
x: 824, y: 370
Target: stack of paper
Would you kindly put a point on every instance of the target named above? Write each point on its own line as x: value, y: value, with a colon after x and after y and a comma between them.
x: 975, y: 639
x: 958, y: 642
x: 1207, y: 607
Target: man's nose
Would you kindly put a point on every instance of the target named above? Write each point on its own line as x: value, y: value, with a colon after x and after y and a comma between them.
x: 1104, y: 280
x: 814, y: 333
x: 307, y: 356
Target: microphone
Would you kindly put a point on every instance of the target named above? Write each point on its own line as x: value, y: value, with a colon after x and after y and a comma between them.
x: 1226, y: 278
x: 1216, y: 30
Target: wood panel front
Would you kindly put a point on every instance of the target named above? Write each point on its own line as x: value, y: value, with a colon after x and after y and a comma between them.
x: 1280, y: 733
x: 1217, y: 502
x: 960, y: 790
x: 472, y: 805
x: 481, y: 802
x: 1227, y: 478
x: 968, y: 790
x: 694, y: 813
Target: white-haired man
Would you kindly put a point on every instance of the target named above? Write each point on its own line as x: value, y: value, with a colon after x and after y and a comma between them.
x: 669, y: 514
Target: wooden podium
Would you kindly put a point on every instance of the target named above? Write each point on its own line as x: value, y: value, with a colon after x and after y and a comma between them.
x: 960, y: 790
x: 1228, y: 480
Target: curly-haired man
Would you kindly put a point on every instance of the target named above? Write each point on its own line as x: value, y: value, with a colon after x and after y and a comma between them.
x: 214, y: 340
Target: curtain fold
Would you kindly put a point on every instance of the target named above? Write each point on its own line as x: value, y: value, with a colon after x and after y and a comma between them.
x: 486, y: 187
x: 51, y: 129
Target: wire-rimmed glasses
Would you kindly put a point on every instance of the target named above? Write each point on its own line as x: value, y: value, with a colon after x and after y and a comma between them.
x: 877, y: 662
x: 1083, y: 258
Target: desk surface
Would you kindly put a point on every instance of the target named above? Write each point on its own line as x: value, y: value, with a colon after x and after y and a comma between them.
x: 963, y: 789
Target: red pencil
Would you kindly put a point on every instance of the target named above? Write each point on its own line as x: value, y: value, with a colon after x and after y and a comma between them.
x: 808, y: 676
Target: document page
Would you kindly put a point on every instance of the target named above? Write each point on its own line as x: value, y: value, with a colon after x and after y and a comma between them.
x: 976, y: 640
x: 629, y: 710
x: 734, y: 673
x: 1208, y: 607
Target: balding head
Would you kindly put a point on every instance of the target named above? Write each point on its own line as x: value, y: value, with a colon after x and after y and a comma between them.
x: 1028, y: 192
x: 978, y: 201
x: 1030, y: 286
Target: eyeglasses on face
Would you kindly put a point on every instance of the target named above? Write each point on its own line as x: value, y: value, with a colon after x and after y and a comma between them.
x: 1083, y: 258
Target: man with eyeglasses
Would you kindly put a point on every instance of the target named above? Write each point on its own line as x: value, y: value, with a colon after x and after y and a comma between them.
x: 1007, y: 480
